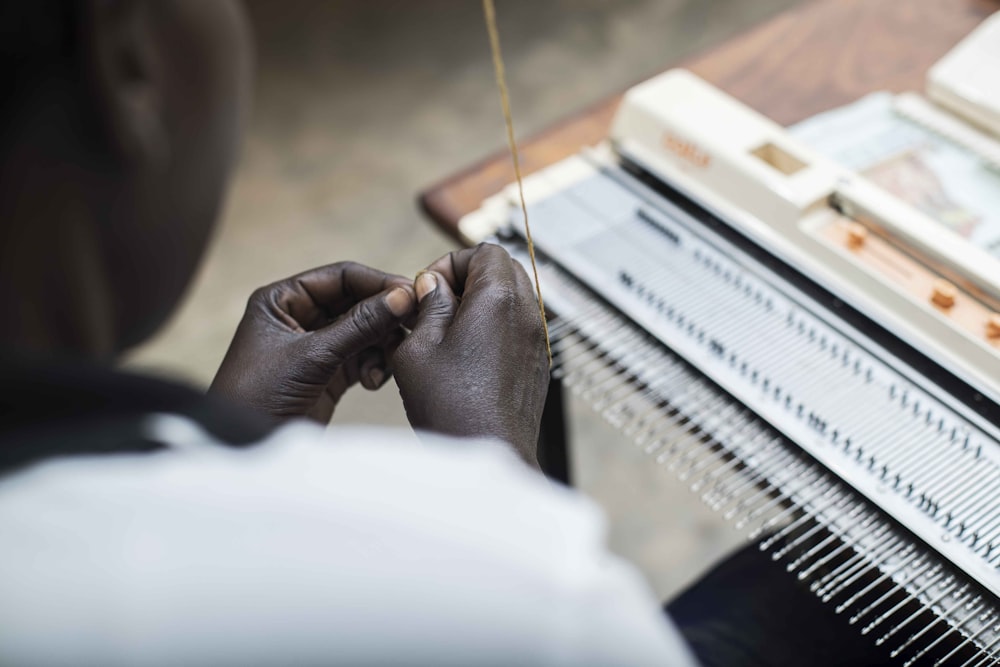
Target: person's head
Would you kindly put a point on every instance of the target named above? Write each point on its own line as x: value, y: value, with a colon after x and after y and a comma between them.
x: 119, y: 125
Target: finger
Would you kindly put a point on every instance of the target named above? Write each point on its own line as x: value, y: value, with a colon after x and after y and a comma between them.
x: 322, y: 410
x: 410, y: 322
x: 453, y: 267
x: 371, y: 367
x: 350, y: 371
x: 372, y: 372
x: 436, y: 308
x: 363, y: 326
x: 493, y: 281
x: 498, y: 289
x: 392, y: 342
x: 316, y: 297
x: 462, y: 267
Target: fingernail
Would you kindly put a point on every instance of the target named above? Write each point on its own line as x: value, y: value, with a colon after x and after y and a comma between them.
x: 426, y: 283
x: 376, y: 376
x: 400, y: 301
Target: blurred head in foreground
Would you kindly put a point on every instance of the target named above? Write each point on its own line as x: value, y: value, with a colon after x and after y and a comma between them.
x: 119, y: 127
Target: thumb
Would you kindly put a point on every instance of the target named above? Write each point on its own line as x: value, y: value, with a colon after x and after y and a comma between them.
x: 436, y: 309
x: 363, y: 326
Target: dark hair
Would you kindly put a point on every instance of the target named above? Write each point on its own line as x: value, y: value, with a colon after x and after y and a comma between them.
x: 38, y: 38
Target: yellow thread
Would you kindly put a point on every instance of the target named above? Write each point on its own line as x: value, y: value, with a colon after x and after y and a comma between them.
x: 491, y: 27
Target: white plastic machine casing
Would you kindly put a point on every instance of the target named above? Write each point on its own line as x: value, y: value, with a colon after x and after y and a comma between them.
x: 597, y: 224
x: 965, y: 80
x: 777, y: 191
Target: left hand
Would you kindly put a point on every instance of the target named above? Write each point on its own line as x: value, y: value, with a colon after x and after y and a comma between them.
x: 305, y: 340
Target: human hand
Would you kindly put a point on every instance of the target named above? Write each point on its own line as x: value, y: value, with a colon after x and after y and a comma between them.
x: 305, y: 340
x: 475, y: 363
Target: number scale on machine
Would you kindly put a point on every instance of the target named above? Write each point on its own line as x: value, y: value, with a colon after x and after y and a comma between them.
x: 725, y: 349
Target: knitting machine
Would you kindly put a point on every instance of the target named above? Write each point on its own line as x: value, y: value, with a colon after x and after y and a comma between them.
x: 817, y: 360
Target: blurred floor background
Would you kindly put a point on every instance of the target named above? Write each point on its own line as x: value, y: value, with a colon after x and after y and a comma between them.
x: 362, y: 103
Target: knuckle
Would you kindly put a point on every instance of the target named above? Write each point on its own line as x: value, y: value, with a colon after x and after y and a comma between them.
x: 515, y: 305
x: 265, y: 300
x: 491, y: 251
x: 260, y: 295
x: 323, y: 358
x: 280, y: 297
x: 368, y: 319
x: 438, y: 305
x: 334, y: 267
x: 502, y: 297
x: 516, y: 309
x: 349, y: 267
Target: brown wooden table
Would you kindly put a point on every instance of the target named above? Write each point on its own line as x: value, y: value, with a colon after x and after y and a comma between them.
x: 819, y: 55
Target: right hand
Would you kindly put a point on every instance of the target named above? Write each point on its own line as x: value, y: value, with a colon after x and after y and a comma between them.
x: 475, y: 363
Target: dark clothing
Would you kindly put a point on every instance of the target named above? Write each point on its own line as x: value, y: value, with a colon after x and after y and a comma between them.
x: 749, y: 612
x: 76, y: 409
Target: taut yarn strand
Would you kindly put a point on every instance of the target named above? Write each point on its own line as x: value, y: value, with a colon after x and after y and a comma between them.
x: 491, y: 27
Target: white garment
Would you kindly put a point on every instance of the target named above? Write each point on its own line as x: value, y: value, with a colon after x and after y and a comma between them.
x: 358, y: 548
